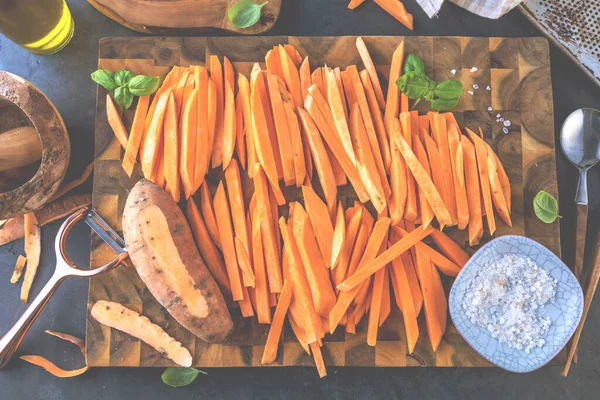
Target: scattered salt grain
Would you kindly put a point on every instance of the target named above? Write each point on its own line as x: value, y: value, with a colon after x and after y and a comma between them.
x: 470, y: 92
x: 506, y: 123
x: 453, y: 71
x: 473, y: 69
x: 498, y: 115
x: 488, y: 88
x: 504, y: 298
x: 490, y: 108
x: 505, y: 130
x: 500, y: 119
x: 475, y: 86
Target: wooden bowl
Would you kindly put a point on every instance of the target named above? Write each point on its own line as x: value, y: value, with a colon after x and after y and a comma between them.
x: 56, y: 147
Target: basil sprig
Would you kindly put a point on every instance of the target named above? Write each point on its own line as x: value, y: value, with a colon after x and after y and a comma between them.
x: 245, y: 13
x: 545, y: 207
x: 178, y: 377
x: 125, y: 84
x: 415, y: 84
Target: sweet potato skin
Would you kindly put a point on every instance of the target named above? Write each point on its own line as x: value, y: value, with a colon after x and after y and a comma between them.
x: 216, y: 326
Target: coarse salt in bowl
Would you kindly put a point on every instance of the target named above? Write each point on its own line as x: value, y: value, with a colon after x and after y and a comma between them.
x: 563, y: 312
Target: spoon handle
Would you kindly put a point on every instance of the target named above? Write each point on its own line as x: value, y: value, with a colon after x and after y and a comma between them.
x: 590, y: 289
x: 582, y: 194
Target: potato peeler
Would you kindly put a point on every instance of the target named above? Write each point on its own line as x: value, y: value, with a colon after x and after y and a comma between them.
x: 64, y: 268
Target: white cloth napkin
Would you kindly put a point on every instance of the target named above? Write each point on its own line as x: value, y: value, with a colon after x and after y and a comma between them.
x: 493, y: 9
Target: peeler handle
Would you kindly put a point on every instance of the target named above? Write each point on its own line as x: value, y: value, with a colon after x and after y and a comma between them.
x: 11, y: 341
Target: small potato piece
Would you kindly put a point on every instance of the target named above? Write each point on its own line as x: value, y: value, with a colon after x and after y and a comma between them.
x: 163, y: 251
x: 123, y: 319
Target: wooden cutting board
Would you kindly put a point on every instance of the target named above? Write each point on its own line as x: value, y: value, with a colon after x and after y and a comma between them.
x: 517, y: 71
x: 182, y: 17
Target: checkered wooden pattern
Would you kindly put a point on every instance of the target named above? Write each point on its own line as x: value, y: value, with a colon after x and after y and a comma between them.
x: 518, y: 73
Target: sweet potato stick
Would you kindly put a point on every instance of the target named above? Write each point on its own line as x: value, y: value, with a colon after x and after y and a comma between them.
x: 502, y: 176
x: 236, y: 199
x: 229, y: 123
x: 216, y: 75
x: 264, y: 145
x: 263, y: 310
x: 345, y: 298
x: 321, y: 222
x: 136, y: 134
x: 188, y: 142
x: 273, y: 62
x: 115, y: 122
x: 398, y: 173
x: 450, y: 248
x: 212, y: 120
x: 244, y: 93
x: 355, y: 3
x: 318, y: 356
x: 202, y: 127
x: 411, y: 212
x: 33, y: 250
x: 438, y: 128
x: 123, y: 319
x: 404, y: 103
x: 348, y: 86
x: 392, y: 105
x: 276, y: 329
x: 336, y: 146
x: 207, y: 248
x: 298, y: 151
x: 372, y: 136
x: 339, y: 116
x: 405, y: 302
x: 240, y: 129
x: 365, y: 161
x: 322, y: 293
x: 396, y: 9
x: 473, y: 191
x: 338, y: 80
x: 339, y: 235
x: 281, y: 128
x: 437, y: 172
x: 496, y: 187
x: 423, y: 126
x: 320, y: 157
x: 153, y: 136
x: 317, y: 80
x: 386, y: 306
x: 226, y: 236
x: 370, y: 67
x: 291, y: 76
x: 352, y: 231
x: 375, y: 309
x: 264, y: 212
x: 171, y: 150
x: 424, y: 181
x: 385, y: 258
x: 382, y: 135
x: 482, y: 165
x: 305, y: 79
x: 19, y: 267
x: 425, y: 271
x: 458, y: 174
x: 308, y: 319
x: 244, y: 263
x: 424, y: 206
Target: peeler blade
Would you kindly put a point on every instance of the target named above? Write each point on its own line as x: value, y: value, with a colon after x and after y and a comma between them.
x: 106, y: 233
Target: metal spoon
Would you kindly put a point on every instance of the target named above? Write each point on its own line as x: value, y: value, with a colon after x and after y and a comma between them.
x: 580, y: 141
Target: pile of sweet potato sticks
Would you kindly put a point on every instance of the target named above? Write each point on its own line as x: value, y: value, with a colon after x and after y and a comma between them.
x: 334, y: 264
x: 393, y: 7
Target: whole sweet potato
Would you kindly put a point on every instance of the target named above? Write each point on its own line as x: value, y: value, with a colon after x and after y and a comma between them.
x: 163, y: 251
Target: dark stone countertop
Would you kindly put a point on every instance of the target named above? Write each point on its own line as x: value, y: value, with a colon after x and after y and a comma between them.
x: 65, y: 79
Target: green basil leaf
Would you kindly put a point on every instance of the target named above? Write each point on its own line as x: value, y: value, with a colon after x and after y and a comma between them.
x: 178, y: 377
x: 123, y: 97
x: 545, y: 207
x: 142, y: 85
x: 444, y: 104
x: 105, y: 78
x: 450, y: 89
x: 123, y: 76
x: 245, y: 13
x: 414, y: 84
x: 413, y: 64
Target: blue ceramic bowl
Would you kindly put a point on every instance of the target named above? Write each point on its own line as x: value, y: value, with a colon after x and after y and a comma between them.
x: 564, y: 313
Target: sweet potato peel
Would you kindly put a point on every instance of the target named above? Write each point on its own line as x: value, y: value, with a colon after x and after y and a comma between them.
x: 51, y: 367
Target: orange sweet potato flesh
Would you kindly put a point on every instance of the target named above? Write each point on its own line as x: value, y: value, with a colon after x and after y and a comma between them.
x: 164, y: 254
